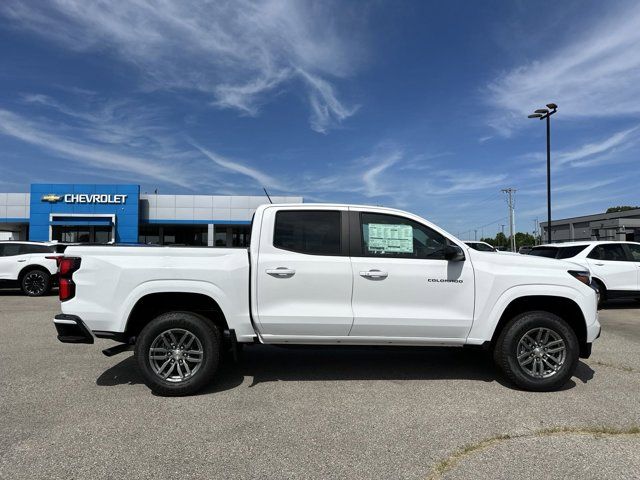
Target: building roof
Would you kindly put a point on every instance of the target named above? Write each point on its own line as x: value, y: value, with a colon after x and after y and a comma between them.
x: 595, y: 217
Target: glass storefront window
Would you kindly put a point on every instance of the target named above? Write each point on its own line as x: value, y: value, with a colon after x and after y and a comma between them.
x: 236, y: 236
x: 81, y: 234
x: 149, y: 234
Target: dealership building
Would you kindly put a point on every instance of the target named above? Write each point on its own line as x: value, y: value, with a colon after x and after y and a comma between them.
x: 601, y: 226
x: 88, y: 213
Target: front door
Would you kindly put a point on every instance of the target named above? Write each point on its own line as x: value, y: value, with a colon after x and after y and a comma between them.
x: 303, y: 274
x: 610, y: 263
x: 402, y: 284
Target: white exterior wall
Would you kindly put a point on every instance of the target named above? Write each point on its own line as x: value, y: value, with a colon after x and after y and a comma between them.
x: 204, y: 208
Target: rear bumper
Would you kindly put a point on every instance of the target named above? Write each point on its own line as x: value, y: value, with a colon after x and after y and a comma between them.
x: 71, y: 329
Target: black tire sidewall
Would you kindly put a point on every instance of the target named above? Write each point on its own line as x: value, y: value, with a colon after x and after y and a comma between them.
x: 203, y: 329
x: 47, y: 283
x: 506, y: 350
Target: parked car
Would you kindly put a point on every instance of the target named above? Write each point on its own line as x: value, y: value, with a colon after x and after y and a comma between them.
x: 615, y: 266
x: 29, y: 265
x: 481, y: 246
x: 327, y: 275
x: 525, y: 249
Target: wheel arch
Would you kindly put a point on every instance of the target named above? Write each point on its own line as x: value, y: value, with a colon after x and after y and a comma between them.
x: 151, y: 305
x: 31, y: 267
x: 564, y: 307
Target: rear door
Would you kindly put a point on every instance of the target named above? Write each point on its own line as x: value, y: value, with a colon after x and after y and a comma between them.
x: 11, y: 260
x: 609, y: 262
x: 304, y: 279
x: 403, y: 286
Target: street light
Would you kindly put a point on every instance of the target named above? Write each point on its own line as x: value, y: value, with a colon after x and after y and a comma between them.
x: 542, y: 114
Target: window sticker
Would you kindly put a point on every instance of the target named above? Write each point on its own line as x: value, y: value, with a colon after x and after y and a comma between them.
x: 386, y: 238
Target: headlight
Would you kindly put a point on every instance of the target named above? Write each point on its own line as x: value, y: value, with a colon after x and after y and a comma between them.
x: 583, y: 276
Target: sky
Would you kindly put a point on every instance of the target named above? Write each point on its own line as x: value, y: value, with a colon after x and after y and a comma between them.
x: 418, y: 105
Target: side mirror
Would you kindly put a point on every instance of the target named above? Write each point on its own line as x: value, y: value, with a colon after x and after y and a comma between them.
x: 453, y: 253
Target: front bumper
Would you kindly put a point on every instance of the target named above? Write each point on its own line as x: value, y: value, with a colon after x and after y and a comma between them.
x: 71, y: 329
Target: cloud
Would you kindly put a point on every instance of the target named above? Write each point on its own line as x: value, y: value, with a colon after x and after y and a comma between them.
x: 375, y: 168
x: 90, y: 155
x: 589, y: 154
x: 262, y: 179
x: 596, y: 74
x: 238, y: 52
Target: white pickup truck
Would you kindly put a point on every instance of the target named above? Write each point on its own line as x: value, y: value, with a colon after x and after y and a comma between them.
x: 330, y: 275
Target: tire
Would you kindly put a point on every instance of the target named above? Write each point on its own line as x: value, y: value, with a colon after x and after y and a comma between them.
x: 517, y: 339
x: 35, y: 283
x: 200, y: 335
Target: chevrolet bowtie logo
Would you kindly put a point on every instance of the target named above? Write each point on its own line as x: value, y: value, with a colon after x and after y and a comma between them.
x: 51, y: 198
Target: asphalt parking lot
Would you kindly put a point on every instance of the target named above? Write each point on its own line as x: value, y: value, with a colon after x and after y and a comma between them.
x: 67, y: 411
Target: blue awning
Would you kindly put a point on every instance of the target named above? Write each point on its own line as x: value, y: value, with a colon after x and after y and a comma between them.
x: 83, y: 221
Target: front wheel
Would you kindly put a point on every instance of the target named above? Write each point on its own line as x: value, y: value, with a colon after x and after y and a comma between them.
x: 537, y: 351
x: 178, y: 353
x: 35, y: 283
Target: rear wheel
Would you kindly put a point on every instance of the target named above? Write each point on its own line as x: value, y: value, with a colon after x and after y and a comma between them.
x: 537, y: 351
x: 178, y: 353
x: 35, y: 283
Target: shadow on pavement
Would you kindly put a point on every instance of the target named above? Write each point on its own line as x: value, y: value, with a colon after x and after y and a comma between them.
x: 621, y: 304
x: 303, y: 364
x: 16, y: 292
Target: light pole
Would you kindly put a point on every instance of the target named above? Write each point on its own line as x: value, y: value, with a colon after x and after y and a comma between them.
x: 542, y: 114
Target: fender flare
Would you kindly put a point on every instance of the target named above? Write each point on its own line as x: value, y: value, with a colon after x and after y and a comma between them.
x: 483, y: 331
x: 170, y: 286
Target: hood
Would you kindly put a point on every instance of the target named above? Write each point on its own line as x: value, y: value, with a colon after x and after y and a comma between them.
x: 524, y: 261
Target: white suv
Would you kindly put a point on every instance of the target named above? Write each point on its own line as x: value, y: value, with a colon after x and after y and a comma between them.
x: 615, y: 266
x: 31, y: 265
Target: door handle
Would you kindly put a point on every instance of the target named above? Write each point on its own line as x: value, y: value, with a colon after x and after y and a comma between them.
x: 280, y: 272
x: 600, y: 264
x: 374, y: 274
x: 23, y: 260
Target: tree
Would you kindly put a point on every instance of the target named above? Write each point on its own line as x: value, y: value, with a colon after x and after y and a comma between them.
x: 621, y: 208
x: 524, y: 239
x: 501, y: 240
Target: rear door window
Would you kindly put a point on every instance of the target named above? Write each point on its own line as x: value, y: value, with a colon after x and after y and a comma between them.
x: 27, y: 249
x: 612, y: 252
x: 313, y: 232
x: 635, y: 252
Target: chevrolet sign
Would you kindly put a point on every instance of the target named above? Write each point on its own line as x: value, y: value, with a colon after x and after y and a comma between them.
x: 94, y: 198
x: 86, y: 198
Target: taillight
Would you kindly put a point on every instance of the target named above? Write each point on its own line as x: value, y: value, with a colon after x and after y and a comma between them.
x: 583, y: 276
x: 66, y: 267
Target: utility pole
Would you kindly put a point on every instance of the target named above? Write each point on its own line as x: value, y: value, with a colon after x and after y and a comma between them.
x: 535, y: 230
x: 475, y: 234
x: 512, y: 215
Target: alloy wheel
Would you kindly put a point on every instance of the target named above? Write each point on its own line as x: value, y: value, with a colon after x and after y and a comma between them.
x: 176, y: 355
x: 34, y: 283
x: 541, y: 352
